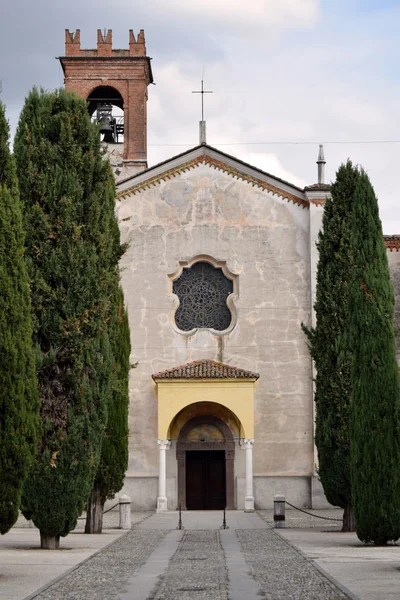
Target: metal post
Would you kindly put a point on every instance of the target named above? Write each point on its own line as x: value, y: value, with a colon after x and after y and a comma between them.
x: 224, y: 525
x: 180, y: 518
x: 279, y: 511
x: 124, y: 512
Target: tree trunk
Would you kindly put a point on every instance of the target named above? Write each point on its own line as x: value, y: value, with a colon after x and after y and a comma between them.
x: 49, y: 541
x: 349, y: 522
x: 94, y: 514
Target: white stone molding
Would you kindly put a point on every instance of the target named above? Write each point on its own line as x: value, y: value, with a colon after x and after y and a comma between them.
x: 162, y: 501
x: 230, y: 301
x: 164, y: 444
x: 247, y: 444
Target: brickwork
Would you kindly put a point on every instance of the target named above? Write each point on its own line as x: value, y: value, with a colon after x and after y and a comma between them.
x: 127, y: 71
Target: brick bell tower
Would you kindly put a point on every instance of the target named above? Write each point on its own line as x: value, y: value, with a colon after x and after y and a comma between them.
x: 113, y: 78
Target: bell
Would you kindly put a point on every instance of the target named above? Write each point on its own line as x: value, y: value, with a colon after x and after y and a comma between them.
x: 106, y: 122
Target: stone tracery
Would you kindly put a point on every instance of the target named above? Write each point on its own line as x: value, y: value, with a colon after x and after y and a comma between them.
x: 202, y: 290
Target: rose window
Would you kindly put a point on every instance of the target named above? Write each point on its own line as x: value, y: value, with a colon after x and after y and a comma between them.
x: 202, y: 291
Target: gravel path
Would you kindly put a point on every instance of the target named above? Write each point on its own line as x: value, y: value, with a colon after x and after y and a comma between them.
x: 197, y: 570
x: 103, y: 576
x: 282, y: 572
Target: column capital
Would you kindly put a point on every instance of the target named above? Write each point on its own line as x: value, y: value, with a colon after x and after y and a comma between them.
x: 247, y: 443
x: 164, y: 444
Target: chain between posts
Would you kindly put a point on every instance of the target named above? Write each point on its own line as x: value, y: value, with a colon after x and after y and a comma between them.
x: 311, y: 514
x: 104, y: 512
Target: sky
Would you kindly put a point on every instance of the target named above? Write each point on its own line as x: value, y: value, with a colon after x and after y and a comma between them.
x: 286, y: 75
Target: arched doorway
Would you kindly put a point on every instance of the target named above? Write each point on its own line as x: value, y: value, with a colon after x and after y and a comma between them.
x: 205, y: 454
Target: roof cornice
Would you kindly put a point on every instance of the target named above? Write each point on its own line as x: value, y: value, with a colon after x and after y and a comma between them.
x: 218, y: 160
x: 392, y: 242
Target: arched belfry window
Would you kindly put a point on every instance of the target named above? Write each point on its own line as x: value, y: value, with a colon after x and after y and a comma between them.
x: 203, y: 291
x: 106, y: 107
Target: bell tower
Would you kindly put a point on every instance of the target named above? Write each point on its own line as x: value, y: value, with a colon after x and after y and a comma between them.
x: 110, y: 80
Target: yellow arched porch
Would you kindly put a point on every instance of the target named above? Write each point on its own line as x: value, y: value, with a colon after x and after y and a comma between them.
x: 174, y: 395
x: 206, y: 383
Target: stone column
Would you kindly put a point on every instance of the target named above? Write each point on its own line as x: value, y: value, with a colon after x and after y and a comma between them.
x: 162, y: 476
x: 249, y: 497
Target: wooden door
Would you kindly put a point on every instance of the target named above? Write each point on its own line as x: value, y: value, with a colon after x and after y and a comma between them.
x: 205, y: 480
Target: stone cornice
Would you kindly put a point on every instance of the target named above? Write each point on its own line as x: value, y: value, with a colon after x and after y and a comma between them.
x: 318, y: 201
x: 145, y: 182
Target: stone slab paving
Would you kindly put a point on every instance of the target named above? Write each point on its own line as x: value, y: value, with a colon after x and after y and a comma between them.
x: 197, y: 570
x: 241, y: 584
x: 25, y: 568
x: 104, y: 576
x: 205, y: 519
x: 154, y: 561
x: 370, y: 573
x: 257, y: 563
x: 281, y: 571
x: 144, y: 580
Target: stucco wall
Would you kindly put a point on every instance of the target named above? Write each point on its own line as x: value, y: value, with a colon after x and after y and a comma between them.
x: 394, y: 265
x: 265, y: 240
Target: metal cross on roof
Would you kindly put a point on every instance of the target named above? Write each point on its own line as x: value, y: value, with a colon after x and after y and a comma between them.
x: 202, y: 92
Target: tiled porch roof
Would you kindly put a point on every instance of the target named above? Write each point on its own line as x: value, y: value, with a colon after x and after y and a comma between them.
x: 205, y: 369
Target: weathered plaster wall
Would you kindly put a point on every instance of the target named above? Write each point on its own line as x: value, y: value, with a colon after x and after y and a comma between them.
x: 265, y: 240
x: 122, y: 169
x: 394, y: 266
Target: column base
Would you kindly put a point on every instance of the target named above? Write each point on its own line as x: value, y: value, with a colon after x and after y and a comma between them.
x: 249, y: 504
x: 162, y: 504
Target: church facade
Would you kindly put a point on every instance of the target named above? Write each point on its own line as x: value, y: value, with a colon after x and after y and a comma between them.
x: 218, y: 277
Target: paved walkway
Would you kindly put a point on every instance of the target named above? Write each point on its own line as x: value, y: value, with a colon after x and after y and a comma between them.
x: 155, y: 561
x: 370, y: 573
x: 26, y: 568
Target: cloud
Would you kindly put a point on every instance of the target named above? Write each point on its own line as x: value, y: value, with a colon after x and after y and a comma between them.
x: 242, y: 17
x: 281, y: 70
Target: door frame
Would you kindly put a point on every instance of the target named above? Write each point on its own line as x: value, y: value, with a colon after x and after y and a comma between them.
x: 228, y: 445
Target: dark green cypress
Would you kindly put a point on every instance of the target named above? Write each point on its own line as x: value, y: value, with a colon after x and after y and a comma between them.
x: 330, y: 345
x: 73, y: 248
x: 114, y: 453
x: 375, y: 397
x: 19, y: 399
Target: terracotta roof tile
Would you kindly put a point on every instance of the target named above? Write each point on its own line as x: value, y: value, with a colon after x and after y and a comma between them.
x: 205, y: 369
x: 392, y: 242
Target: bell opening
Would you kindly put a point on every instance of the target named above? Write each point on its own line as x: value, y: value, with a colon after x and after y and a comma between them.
x: 106, y: 107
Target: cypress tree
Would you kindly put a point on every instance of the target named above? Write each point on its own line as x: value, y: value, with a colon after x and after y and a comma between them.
x: 375, y: 396
x: 72, y: 252
x: 330, y: 345
x: 114, y: 452
x: 19, y: 399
